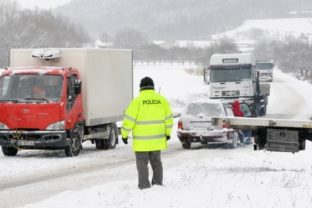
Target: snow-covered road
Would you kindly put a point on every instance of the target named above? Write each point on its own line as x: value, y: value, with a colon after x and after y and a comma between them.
x: 202, y: 177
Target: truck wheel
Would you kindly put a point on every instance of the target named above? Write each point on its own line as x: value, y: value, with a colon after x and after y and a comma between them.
x: 9, y: 151
x: 101, y: 144
x: 113, y: 136
x: 75, y: 145
x: 260, y: 138
x: 186, y: 144
x: 111, y: 141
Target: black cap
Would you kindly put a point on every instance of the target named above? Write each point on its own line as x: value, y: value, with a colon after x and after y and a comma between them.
x: 146, y: 83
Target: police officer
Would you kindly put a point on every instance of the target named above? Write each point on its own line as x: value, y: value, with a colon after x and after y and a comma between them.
x: 149, y: 117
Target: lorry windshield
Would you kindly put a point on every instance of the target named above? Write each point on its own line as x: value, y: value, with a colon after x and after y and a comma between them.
x: 264, y: 66
x: 30, y: 88
x: 230, y: 74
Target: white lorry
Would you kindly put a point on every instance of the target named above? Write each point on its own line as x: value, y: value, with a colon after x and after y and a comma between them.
x: 233, y: 76
x: 272, y: 134
x: 58, y: 98
x: 265, y: 70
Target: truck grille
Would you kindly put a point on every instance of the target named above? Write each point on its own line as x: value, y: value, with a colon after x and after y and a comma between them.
x: 230, y: 93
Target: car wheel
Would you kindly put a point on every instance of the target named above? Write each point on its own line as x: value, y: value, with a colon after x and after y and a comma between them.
x: 186, y: 144
x: 9, y: 151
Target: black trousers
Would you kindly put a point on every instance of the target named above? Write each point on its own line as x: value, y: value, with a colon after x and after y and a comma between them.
x: 142, y: 159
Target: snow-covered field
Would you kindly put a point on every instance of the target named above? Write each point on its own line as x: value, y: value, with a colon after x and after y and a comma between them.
x: 276, y: 28
x: 202, y: 177
x: 251, y: 31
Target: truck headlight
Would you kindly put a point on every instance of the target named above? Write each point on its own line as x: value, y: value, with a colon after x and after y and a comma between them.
x: 57, y: 126
x: 3, y: 126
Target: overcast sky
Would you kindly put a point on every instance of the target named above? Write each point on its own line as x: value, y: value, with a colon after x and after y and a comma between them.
x: 44, y: 4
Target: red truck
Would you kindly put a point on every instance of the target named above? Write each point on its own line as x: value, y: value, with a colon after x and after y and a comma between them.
x: 59, y: 98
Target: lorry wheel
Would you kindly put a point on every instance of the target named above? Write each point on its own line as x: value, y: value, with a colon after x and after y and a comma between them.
x: 73, y: 149
x: 9, y: 151
x: 111, y: 141
x: 113, y: 136
x: 186, y: 144
x: 101, y: 144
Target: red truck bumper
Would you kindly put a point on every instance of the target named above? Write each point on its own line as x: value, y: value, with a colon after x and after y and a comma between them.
x: 34, y: 139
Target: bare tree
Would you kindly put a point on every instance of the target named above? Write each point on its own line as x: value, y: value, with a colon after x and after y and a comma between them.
x: 130, y: 38
x: 34, y: 29
x: 8, y: 10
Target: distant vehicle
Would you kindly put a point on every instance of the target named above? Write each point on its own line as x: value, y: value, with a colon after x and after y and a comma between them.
x: 233, y: 76
x: 265, y: 69
x: 195, y: 124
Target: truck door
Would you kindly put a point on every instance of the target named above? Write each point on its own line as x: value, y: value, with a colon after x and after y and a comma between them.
x: 74, y: 102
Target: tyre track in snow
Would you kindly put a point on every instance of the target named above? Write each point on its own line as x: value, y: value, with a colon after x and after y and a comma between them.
x: 33, y: 188
x: 38, y: 187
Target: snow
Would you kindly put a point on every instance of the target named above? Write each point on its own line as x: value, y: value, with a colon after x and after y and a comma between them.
x: 193, y: 44
x: 271, y: 28
x: 206, y: 176
x: 42, y: 4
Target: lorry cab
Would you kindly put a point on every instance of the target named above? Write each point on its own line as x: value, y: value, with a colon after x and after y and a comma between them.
x: 231, y: 76
x: 39, y: 105
x: 265, y: 70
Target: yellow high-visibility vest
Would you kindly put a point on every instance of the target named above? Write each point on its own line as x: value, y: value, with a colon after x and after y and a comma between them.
x: 149, y: 117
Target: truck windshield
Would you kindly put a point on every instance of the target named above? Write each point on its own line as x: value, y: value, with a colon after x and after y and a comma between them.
x: 264, y: 66
x: 30, y: 88
x: 230, y: 74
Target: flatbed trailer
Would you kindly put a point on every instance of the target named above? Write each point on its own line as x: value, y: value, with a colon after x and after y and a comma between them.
x: 272, y: 134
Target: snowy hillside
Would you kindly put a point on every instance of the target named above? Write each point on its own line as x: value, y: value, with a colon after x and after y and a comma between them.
x: 269, y: 28
x: 211, y: 176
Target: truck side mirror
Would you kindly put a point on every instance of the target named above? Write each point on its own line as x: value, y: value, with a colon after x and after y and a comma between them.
x: 206, y: 75
x: 77, y: 87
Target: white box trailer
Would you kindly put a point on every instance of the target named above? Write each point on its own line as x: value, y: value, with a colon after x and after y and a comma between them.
x: 106, y: 75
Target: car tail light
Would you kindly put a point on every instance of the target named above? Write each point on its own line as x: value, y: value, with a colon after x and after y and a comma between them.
x: 180, y: 125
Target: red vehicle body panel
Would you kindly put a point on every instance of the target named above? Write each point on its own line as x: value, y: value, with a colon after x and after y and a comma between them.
x: 40, y: 115
x: 30, y: 116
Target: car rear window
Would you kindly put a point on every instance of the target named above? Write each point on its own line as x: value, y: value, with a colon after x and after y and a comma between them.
x: 208, y: 109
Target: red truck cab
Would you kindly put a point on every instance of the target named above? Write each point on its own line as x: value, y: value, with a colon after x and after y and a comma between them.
x: 41, y: 108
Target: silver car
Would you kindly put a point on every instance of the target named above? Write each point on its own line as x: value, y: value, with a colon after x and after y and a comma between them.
x: 195, y: 124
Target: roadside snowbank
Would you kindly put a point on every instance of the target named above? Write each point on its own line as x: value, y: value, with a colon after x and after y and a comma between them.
x: 208, y: 178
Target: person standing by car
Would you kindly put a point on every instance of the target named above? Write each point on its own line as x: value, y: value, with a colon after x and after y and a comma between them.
x: 238, y: 113
x: 236, y: 109
x: 149, y: 117
x: 242, y: 111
